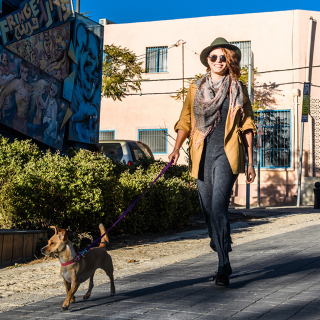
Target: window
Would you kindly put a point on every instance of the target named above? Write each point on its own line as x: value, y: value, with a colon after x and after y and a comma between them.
x: 245, y: 48
x: 156, y: 139
x: 156, y: 60
x: 276, y: 139
x: 112, y: 150
x: 106, y: 135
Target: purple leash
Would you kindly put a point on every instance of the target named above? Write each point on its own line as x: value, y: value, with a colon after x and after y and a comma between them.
x: 129, y: 208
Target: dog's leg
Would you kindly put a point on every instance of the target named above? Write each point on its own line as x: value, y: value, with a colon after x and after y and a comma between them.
x: 88, y: 294
x: 68, y: 287
x: 109, y: 271
x: 112, y: 287
x: 74, y: 287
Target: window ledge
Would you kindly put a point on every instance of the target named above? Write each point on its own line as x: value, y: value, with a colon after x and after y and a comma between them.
x: 156, y: 73
x: 275, y: 169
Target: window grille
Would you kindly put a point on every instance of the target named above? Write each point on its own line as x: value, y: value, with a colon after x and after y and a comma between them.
x: 106, y: 135
x: 276, y: 139
x: 156, y: 139
x: 156, y: 60
x: 245, y: 48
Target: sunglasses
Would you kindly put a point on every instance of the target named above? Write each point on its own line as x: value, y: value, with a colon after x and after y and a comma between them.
x: 214, y: 58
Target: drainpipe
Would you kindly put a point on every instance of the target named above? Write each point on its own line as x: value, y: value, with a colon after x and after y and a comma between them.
x: 78, y: 6
x: 296, y: 94
x: 311, y: 144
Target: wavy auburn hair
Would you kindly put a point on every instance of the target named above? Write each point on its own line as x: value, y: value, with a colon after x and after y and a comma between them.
x: 233, y: 64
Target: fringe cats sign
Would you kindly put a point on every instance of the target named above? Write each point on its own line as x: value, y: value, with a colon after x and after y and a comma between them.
x: 34, y: 16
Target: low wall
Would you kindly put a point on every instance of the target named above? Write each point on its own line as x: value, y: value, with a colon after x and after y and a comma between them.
x: 19, y: 245
x: 307, y: 186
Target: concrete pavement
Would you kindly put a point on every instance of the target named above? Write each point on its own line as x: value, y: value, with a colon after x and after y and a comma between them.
x: 274, y: 278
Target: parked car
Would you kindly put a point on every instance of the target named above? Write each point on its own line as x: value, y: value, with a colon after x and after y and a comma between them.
x: 128, y: 150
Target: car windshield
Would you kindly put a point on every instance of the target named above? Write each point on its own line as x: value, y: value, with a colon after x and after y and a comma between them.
x: 112, y: 150
x: 140, y: 150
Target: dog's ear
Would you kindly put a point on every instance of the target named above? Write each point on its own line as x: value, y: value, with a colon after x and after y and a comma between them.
x: 62, y: 234
x: 55, y: 229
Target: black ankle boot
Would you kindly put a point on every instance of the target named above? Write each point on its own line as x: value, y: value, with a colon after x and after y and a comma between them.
x: 221, y: 279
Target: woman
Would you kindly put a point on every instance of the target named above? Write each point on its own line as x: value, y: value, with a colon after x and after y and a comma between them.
x: 217, y: 116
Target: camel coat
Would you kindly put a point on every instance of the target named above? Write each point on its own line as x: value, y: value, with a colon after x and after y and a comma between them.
x: 233, y: 145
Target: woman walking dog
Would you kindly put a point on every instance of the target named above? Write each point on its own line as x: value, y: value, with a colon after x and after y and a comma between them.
x: 217, y: 116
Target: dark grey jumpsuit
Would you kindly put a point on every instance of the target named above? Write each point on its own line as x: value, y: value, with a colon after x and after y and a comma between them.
x: 215, y: 182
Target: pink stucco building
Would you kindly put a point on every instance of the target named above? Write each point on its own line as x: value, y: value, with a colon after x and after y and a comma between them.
x: 276, y: 40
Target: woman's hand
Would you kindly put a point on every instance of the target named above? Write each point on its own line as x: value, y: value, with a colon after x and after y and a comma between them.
x: 174, y: 156
x: 250, y: 174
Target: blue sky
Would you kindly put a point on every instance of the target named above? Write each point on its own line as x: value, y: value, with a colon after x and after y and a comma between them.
x: 137, y: 11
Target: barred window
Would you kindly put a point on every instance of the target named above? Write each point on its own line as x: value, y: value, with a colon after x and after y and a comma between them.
x: 106, y: 135
x: 156, y: 139
x: 156, y: 60
x: 245, y: 48
x: 276, y: 139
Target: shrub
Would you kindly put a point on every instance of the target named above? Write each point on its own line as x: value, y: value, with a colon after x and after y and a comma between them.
x: 85, y: 188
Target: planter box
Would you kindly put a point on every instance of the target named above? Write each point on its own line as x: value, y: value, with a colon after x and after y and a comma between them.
x: 18, y: 245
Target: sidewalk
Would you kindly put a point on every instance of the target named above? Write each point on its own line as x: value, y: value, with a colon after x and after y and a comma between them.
x: 274, y: 278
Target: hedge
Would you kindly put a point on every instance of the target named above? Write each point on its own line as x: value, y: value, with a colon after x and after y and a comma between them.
x: 85, y: 188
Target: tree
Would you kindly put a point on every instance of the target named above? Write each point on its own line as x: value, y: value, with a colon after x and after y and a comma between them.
x: 183, y: 91
x: 264, y: 94
x: 121, y: 72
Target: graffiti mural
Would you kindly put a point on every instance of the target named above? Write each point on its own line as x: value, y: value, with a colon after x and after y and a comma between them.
x: 30, y: 100
x: 33, y: 17
x: 47, y: 50
x: 86, y: 98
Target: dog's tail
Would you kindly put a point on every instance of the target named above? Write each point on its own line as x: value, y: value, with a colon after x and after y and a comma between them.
x: 105, y: 238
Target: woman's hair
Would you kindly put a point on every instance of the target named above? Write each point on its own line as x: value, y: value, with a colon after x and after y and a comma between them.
x: 232, y: 63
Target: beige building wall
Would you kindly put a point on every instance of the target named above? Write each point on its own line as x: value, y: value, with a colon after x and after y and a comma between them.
x: 278, y: 41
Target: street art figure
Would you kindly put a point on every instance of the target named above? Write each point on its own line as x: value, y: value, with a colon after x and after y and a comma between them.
x: 51, y: 117
x: 21, y: 90
x: 38, y: 104
x: 47, y: 50
x: 86, y: 98
x: 31, y: 104
x: 5, y: 69
x: 7, y: 73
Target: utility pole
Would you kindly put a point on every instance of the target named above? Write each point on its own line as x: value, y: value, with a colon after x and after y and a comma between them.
x: 78, y: 6
x: 183, y: 42
x: 305, y: 109
x: 249, y: 94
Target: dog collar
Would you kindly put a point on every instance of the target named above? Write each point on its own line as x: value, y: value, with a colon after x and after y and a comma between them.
x: 77, y: 258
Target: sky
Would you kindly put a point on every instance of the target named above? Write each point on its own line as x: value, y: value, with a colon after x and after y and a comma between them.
x: 124, y: 11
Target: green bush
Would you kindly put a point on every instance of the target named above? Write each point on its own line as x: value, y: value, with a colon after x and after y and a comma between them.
x: 85, y: 188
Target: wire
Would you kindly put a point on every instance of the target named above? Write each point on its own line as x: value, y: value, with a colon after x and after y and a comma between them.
x: 142, y: 56
x: 144, y: 94
x: 286, y: 69
x: 149, y: 80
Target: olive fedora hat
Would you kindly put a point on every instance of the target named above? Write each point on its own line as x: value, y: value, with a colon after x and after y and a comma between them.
x: 218, y: 43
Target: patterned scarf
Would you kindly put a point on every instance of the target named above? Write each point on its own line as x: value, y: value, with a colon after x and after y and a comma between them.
x: 208, y: 100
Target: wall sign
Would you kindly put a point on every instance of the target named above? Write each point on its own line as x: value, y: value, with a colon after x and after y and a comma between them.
x: 34, y: 16
x: 305, y: 102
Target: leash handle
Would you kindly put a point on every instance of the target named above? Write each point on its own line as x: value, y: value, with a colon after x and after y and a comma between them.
x: 130, y: 207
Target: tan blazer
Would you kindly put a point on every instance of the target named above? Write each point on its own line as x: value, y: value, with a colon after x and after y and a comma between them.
x: 233, y: 145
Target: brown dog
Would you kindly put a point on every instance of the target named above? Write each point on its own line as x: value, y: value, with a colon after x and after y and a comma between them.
x: 80, y: 270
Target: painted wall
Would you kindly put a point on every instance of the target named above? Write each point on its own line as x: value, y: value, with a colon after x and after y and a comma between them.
x: 86, y: 98
x: 30, y: 100
x: 278, y: 41
x: 50, y: 73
